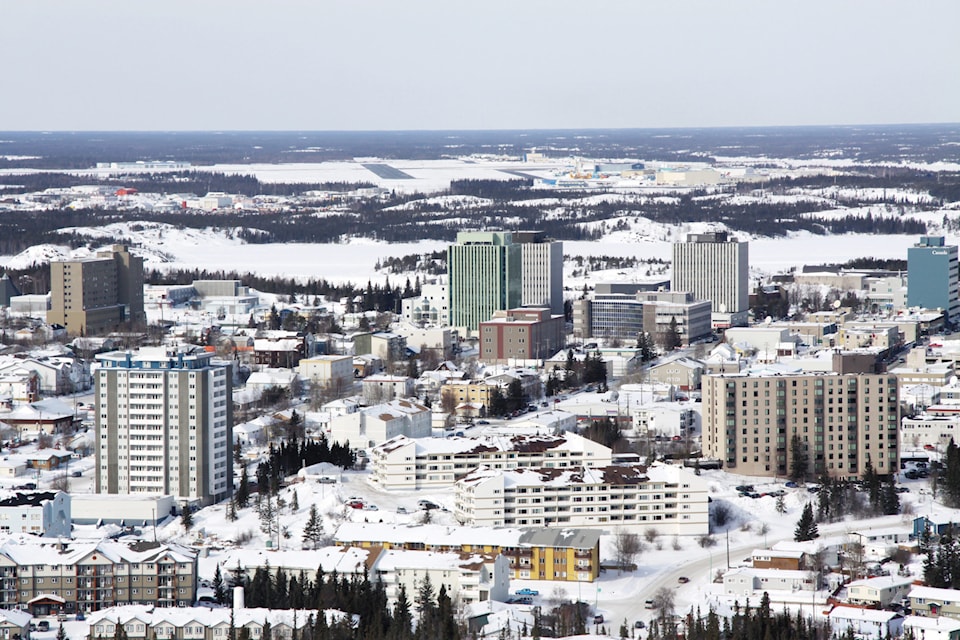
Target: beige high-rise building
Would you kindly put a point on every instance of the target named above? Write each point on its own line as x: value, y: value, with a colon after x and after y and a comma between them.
x: 840, y: 421
x: 97, y: 294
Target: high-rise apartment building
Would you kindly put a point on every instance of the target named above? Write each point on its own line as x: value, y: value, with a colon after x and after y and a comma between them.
x: 765, y: 421
x: 542, y: 272
x: 933, y: 279
x: 498, y: 270
x: 714, y: 267
x: 96, y: 294
x: 164, y: 424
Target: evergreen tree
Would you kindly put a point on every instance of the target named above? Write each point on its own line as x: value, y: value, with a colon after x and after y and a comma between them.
x: 889, y: 499
x: 670, y: 339
x: 799, y: 460
x: 243, y: 490
x: 186, y: 517
x: 806, y: 527
x: 294, y: 503
x: 872, y: 483
x: 232, y: 509
x: 218, y: 588
x: 61, y: 633
x: 313, y: 529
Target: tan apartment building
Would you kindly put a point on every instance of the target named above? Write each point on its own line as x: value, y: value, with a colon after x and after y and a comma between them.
x: 87, y: 576
x: 97, y: 294
x: 840, y: 421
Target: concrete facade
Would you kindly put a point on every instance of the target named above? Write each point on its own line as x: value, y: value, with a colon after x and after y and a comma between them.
x: 164, y: 425
x: 750, y: 420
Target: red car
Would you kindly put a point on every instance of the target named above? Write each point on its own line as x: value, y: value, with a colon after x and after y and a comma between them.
x: 355, y: 504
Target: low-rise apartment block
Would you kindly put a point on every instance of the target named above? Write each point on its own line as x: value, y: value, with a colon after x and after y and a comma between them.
x: 379, y: 423
x: 520, y: 334
x: 407, y: 463
x: 564, y: 554
x: 86, y: 576
x: 668, y: 498
x: 752, y: 421
x: 204, y: 623
x: 42, y: 513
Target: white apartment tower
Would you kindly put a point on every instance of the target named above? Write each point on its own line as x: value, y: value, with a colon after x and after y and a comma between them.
x: 542, y: 271
x: 164, y: 424
x: 714, y: 267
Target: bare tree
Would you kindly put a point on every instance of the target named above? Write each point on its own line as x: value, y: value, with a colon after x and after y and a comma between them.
x: 651, y: 534
x: 627, y: 547
x: 663, y: 602
x: 61, y: 482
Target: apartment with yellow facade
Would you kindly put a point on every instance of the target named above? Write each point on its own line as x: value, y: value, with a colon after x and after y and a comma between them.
x: 562, y: 554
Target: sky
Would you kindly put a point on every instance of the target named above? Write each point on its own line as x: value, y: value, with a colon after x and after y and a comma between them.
x: 495, y: 64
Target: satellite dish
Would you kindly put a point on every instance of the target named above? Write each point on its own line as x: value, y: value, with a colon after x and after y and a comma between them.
x: 722, y: 308
x: 836, y: 304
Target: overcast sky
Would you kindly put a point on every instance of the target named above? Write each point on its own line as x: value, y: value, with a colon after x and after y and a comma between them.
x: 487, y: 64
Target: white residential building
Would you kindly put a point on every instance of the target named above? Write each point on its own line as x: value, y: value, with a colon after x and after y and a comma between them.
x: 880, y: 591
x: 668, y: 498
x: 865, y: 623
x: 926, y: 429
x: 140, y: 622
x: 42, y: 513
x: 747, y: 582
x: 468, y: 577
x: 382, y: 387
x: 714, y: 267
x: 405, y: 463
x: 164, y: 424
x: 374, y: 425
x: 329, y: 371
x: 932, y: 628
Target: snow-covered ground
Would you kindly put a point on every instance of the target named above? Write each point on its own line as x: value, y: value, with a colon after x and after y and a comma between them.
x: 167, y: 247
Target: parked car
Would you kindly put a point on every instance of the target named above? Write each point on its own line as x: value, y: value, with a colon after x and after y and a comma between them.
x: 639, y: 624
x: 76, y: 474
x: 401, y: 510
x: 527, y: 592
x: 426, y: 504
x: 43, y: 625
x: 370, y: 507
x: 482, y: 422
x: 791, y: 484
x: 355, y: 504
x: 911, y: 475
x: 648, y: 604
x: 598, y: 619
x: 81, y: 615
x: 683, y: 579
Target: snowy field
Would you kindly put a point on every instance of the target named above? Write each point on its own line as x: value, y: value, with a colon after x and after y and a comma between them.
x: 355, y: 260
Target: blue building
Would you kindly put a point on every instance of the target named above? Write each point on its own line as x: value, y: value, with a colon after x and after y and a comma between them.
x: 933, y: 277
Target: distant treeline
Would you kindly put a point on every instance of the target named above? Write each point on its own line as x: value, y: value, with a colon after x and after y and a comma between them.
x: 195, y: 182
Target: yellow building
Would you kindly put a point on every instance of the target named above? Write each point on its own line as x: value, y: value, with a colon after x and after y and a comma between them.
x: 566, y: 554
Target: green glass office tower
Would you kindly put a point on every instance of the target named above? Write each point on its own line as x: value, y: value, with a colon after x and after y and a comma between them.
x: 485, y: 270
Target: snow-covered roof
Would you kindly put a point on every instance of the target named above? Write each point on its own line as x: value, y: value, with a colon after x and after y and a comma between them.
x: 940, y: 623
x: 393, y: 559
x: 882, y: 582
x: 339, y: 559
x: 432, y: 534
x: 487, y: 443
x: 933, y: 593
x: 207, y: 617
x: 867, y: 615
x: 15, y: 616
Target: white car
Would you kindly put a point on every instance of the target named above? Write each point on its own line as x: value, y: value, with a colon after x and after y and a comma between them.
x: 370, y: 507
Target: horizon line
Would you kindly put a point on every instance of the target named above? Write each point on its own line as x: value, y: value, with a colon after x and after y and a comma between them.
x: 479, y: 130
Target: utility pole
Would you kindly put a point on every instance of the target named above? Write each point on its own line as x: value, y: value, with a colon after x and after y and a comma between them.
x: 728, y: 547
